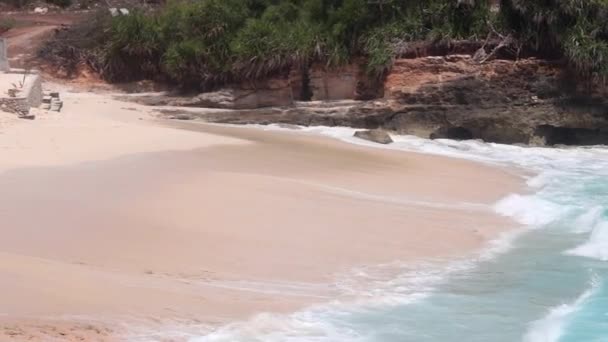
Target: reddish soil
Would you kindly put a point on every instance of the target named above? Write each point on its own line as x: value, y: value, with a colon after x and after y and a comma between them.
x: 30, y: 31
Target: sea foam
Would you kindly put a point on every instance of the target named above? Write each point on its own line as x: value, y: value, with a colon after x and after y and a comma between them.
x: 529, y: 210
x: 552, y: 327
x: 596, y: 247
x: 552, y: 203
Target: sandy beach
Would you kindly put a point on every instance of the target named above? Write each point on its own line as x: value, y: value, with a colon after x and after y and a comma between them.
x: 116, y: 224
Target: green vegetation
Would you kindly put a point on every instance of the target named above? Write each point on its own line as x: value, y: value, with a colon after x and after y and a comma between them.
x: 206, y: 43
x: 60, y: 3
x: 575, y: 29
x: 6, y: 24
x: 23, y: 3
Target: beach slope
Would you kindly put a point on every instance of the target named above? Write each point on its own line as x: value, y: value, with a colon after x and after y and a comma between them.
x: 117, y: 224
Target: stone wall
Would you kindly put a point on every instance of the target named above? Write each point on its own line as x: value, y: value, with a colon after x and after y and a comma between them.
x: 4, y: 66
x: 29, y: 96
x: 16, y: 105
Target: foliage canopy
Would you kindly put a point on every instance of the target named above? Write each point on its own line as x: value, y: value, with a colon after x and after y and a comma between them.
x: 204, y: 43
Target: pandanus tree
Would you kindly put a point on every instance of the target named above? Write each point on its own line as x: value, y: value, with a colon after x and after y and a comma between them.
x: 206, y: 43
x: 575, y: 29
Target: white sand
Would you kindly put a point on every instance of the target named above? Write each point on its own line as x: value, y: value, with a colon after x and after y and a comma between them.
x: 112, y: 219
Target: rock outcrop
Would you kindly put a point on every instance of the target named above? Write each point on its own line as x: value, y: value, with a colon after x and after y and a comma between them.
x: 361, y: 114
x: 528, y: 101
x: 317, y: 83
x: 332, y: 85
x: 275, y: 92
x: 374, y: 135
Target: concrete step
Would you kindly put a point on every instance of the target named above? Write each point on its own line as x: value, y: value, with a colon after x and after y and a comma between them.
x: 27, y: 116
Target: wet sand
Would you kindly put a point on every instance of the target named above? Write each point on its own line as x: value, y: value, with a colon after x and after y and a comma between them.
x: 114, y: 223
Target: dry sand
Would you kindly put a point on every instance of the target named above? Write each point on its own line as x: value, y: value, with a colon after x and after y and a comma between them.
x: 114, y: 223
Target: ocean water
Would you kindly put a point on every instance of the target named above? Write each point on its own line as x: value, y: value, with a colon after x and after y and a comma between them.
x: 544, y: 282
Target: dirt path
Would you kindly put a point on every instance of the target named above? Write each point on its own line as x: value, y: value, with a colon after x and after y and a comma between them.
x: 30, y: 31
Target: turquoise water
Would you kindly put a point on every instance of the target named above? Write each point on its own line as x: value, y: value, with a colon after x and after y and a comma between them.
x: 546, y: 282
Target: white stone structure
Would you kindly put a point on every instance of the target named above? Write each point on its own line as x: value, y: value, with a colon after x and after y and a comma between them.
x: 4, y: 67
x: 19, y: 89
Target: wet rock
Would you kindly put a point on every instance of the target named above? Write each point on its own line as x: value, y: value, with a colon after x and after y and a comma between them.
x: 27, y: 116
x: 556, y: 136
x: 183, y: 117
x: 455, y: 133
x: 375, y: 135
x: 289, y: 126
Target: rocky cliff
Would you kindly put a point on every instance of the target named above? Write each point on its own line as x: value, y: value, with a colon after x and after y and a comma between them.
x: 527, y: 101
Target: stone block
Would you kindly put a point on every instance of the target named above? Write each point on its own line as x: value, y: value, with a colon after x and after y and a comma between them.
x: 4, y: 66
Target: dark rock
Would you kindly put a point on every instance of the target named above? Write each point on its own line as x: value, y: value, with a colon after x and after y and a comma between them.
x: 183, y: 117
x: 455, y: 133
x: 375, y: 135
x: 269, y: 93
x: 289, y: 126
x: 565, y: 136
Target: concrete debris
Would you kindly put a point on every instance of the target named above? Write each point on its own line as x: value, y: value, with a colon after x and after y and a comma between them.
x: 41, y: 10
x: 51, y: 101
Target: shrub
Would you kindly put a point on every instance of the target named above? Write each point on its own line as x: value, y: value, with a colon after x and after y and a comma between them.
x: 575, y: 29
x: 206, y: 43
x: 6, y: 24
x: 60, y: 3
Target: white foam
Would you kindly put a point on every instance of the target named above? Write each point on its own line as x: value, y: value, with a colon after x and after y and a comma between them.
x: 370, y: 288
x: 551, y: 327
x: 364, y: 289
x: 528, y: 210
x: 552, y: 160
x: 588, y: 220
x: 501, y: 245
x: 597, y: 245
x: 538, y: 181
x: 302, y: 326
x: 376, y: 287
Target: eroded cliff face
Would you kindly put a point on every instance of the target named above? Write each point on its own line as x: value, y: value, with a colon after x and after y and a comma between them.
x: 528, y: 101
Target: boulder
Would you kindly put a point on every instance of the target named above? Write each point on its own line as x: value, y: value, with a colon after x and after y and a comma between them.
x: 183, y: 117
x: 375, y: 135
x: 27, y: 116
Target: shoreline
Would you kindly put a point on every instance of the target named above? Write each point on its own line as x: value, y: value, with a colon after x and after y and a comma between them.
x: 344, y: 206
